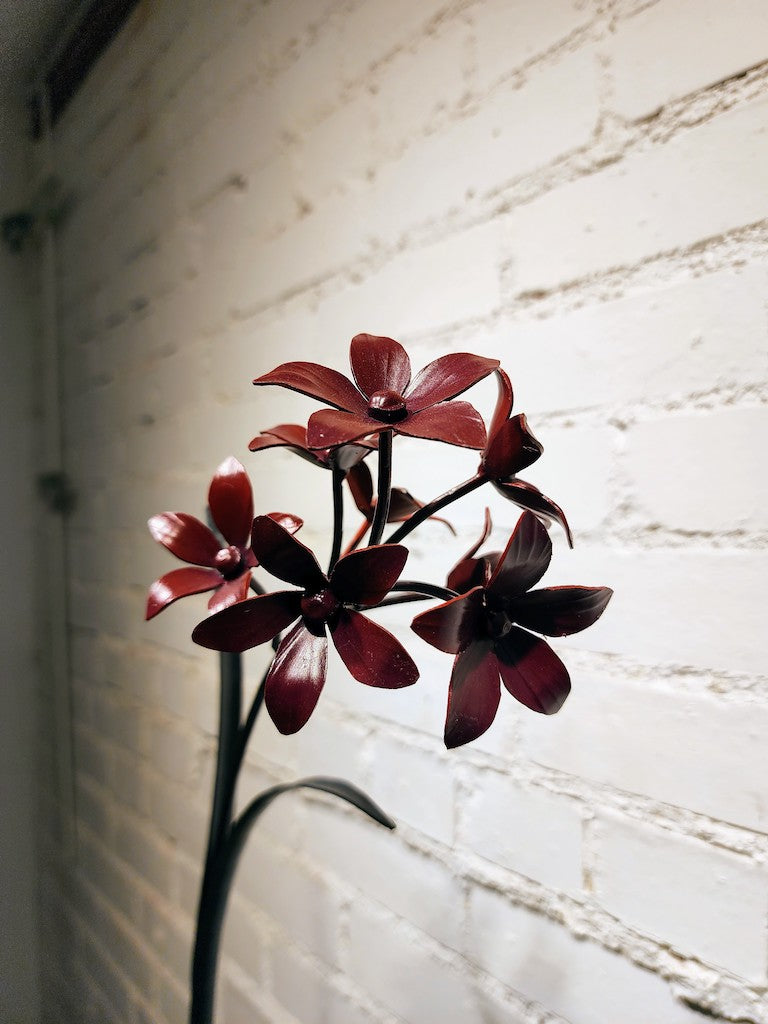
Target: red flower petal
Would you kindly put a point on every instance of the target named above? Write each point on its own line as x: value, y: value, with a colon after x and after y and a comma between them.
x: 370, y: 652
x: 349, y: 455
x: 455, y: 423
x: 503, y: 403
x: 465, y: 573
x: 447, y: 377
x: 287, y: 520
x: 366, y: 576
x: 524, y: 560
x: 318, y: 382
x: 249, y: 623
x: 328, y: 428
x: 452, y: 626
x: 186, y: 537
x: 527, y: 496
x: 180, y: 583
x: 473, y: 696
x: 230, y: 500
x: 512, y: 448
x: 532, y: 672
x: 290, y: 434
x: 360, y: 485
x: 296, y: 678
x: 379, y: 364
x: 560, y: 611
x: 230, y: 593
x: 402, y: 504
x: 284, y: 556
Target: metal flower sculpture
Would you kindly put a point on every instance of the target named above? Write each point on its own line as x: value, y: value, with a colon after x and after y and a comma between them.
x: 488, y: 615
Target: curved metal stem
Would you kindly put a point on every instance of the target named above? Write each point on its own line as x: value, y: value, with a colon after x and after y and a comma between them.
x: 427, y: 589
x: 338, y: 514
x: 435, y: 505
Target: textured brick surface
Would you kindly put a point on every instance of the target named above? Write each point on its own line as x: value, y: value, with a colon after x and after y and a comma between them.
x: 578, y: 188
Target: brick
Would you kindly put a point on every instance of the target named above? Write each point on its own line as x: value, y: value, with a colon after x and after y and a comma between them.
x: 665, y: 341
x: 373, y: 861
x: 239, y: 1007
x: 704, y: 901
x: 698, y: 450
x: 629, y: 211
x: 656, y: 586
x: 298, y: 985
x: 676, y: 47
x: 373, y: 31
x: 510, y: 34
x: 415, y: 786
x: 543, y: 961
x: 529, y: 831
x: 409, y: 980
x: 512, y: 133
x: 288, y: 903
x: 610, y: 731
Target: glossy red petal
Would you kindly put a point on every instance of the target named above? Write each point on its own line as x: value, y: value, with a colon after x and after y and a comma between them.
x: 524, y: 560
x: 284, y: 556
x: 464, y: 574
x: 511, y: 449
x: 360, y: 484
x: 532, y: 672
x: 186, y: 537
x: 402, y: 505
x: 454, y: 625
x: 328, y: 428
x: 290, y: 434
x: 248, y: 623
x: 560, y: 611
x: 318, y: 382
x: 230, y: 500
x: 348, y: 455
x: 296, y: 678
x: 447, y: 377
x: 454, y: 422
x: 370, y: 652
x: 379, y: 364
x: 503, y: 403
x: 180, y: 583
x: 527, y: 496
x: 230, y: 593
x: 366, y: 576
x: 287, y: 520
x: 473, y: 696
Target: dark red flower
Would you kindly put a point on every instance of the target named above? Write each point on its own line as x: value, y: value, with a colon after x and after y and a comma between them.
x: 383, y: 396
x: 358, y: 580
x: 225, y: 570
x: 293, y: 436
x: 482, y: 628
x: 511, y: 447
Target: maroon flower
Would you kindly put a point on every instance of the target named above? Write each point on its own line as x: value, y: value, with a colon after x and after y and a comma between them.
x: 383, y: 396
x: 482, y: 628
x: 293, y: 436
x: 225, y: 570
x: 511, y: 448
x: 296, y: 678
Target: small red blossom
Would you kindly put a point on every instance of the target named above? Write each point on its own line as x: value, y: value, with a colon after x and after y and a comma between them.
x: 294, y: 437
x: 383, y: 396
x: 358, y: 580
x: 225, y: 570
x: 482, y: 628
x: 511, y: 447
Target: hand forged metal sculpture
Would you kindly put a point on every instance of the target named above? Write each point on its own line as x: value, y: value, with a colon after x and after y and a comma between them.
x: 488, y: 616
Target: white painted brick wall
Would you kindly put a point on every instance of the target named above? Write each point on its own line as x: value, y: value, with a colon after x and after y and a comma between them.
x: 578, y: 188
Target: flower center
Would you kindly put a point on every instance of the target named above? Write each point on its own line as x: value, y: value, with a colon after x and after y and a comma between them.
x: 387, y: 406
x: 319, y: 607
x: 229, y: 561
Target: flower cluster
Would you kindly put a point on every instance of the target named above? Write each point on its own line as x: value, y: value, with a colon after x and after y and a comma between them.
x: 489, y: 616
